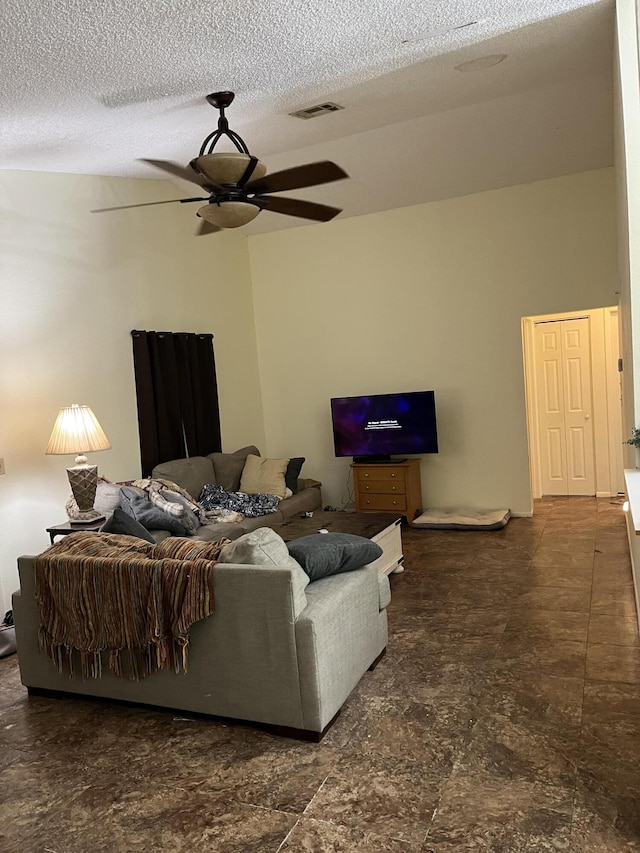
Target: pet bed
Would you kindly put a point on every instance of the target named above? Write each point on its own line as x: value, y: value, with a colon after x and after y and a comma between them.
x: 462, y: 518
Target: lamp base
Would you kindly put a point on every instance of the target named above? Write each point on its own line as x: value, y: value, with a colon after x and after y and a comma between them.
x: 86, y: 518
x: 83, y: 480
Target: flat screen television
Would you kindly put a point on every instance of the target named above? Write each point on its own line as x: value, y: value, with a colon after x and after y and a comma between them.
x: 376, y: 427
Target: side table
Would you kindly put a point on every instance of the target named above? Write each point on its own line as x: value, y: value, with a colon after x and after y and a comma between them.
x: 74, y: 527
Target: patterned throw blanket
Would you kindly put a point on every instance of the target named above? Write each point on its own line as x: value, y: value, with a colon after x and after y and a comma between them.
x: 214, y: 498
x: 99, y: 592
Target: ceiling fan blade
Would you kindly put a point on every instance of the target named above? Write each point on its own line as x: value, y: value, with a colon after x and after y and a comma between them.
x: 148, y: 204
x: 207, y: 228
x: 185, y: 173
x: 297, y: 207
x: 297, y: 177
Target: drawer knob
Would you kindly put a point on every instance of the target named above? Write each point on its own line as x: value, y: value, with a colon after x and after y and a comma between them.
x: 395, y: 502
x: 368, y: 502
x: 393, y: 475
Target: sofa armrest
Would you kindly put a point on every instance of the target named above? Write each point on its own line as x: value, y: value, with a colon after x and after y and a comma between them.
x: 339, y: 634
x: 304, y: 483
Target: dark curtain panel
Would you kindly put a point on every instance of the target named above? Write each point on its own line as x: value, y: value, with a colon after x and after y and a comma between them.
x: 177, y: 396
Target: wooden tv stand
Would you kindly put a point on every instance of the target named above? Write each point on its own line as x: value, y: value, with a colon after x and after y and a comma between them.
x: 392, y: 487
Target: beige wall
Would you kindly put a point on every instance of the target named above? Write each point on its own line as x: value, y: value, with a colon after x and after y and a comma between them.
x: 424, y: 297
x: 72, y: 287
x: 627, y: 163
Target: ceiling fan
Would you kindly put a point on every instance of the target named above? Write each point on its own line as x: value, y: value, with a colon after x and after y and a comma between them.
x: 237, y: 183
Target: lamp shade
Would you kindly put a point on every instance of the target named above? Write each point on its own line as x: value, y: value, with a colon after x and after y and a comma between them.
x: 77, y: 430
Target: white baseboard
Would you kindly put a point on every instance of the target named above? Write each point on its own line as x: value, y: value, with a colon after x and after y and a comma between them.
x: 521, y: 515
x: 604, y: 495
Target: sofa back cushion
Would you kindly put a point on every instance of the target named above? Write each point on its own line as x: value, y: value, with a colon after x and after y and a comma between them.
x: 228, y: 467
x: 191, y: 474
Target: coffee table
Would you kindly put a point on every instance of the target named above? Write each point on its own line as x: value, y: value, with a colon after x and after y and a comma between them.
x: 380, y: 527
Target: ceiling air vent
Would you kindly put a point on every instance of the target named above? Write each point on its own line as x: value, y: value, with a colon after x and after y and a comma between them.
x: 317, y: 110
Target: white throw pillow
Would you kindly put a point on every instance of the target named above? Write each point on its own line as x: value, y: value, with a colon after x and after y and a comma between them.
x: 107, y: 499
x: 264, y: 476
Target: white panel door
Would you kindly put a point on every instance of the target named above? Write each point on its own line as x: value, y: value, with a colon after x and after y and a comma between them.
x: 565, y: 425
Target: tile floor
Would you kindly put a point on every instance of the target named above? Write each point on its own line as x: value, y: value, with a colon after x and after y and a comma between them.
x: 505, y: 718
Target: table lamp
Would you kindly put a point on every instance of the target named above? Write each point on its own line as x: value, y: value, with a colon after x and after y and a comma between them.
x: 77, y: 430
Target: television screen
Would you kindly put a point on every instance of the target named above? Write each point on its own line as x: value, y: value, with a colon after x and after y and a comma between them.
x: 382, y: 425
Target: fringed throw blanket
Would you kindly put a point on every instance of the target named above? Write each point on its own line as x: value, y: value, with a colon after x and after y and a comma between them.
x: 99, y: 592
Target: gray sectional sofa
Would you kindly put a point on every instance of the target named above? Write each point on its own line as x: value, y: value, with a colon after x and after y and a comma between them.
x: 225, y: 469
x: 278, y: 650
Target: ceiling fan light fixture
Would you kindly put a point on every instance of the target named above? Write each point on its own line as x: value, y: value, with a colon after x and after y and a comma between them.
x: 238, y: 185
x: 229, y: 214
x: 228, y: 167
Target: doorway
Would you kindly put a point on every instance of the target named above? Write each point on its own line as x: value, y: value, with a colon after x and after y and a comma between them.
x: 573, y: 403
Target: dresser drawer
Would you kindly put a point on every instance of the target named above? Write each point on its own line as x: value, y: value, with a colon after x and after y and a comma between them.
x: 381, y: 487
x: 380, y: 473
x: 385, y: 503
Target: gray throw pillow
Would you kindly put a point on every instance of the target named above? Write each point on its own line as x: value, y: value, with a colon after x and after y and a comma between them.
x: 228, y: 467
x: 325, y: 554
x: 125, y: 525
x: 135, y: 503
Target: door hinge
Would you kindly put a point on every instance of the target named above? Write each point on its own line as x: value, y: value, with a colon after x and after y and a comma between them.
x: 620, y: 366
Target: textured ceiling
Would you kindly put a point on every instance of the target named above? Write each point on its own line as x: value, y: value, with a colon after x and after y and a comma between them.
x: 90, y: 88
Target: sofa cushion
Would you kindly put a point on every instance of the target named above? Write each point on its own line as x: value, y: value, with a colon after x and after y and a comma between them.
x: 222, y: 530
x: 264, y: 476
x: 228, y: 467
x: 190, y: 474
x: 136, y: 503
x: 324, y: 554
x: 306, y: 500
x: 272, y: 520
x: 293, y: 472
x: 124, y: 524
x: 263, y: 547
